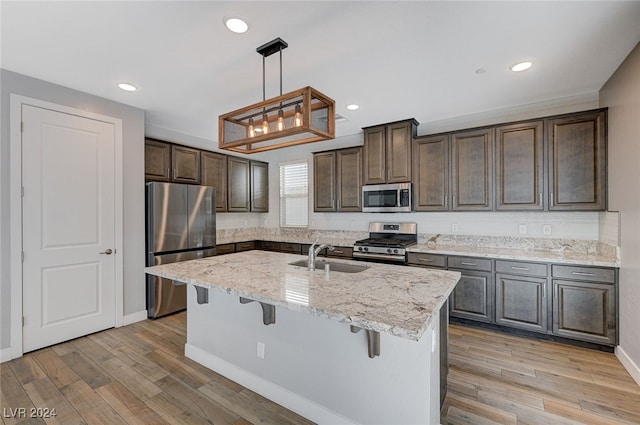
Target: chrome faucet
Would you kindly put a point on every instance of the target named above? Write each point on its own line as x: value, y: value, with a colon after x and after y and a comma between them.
x: 315, y: 250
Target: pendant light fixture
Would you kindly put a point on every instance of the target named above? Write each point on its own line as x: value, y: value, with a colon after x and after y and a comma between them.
x: 298, y: 117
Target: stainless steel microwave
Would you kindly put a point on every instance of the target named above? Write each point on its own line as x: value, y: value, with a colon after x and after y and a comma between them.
x: 391, y: 197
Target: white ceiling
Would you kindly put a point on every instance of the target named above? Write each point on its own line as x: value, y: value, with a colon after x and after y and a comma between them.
x: 396, y: 59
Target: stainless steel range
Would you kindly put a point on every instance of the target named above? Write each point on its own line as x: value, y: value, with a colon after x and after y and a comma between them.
x: 387, y: 242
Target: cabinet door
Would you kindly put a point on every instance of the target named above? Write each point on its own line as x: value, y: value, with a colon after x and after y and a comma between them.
x: 577, y: 162
x: 473, y: 296
x: 472, y: 170
x: 214, y: 173
x: 349, y: 179
x: 324, y: 181
x: 398, y: 155
x: 519, y: 166
x: 157, y: 160
x: 374, y: 151
x: 521, y: 302
x: 431, y: 173
x: 186, y: 164
x: 585, y: 311
x: 259, y: 186
x: 237, y: 184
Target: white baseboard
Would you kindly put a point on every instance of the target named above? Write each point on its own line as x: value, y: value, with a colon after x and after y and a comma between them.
x: 134, y: 317
x: 268, y: 389
x: 5, y: 355
x: 628, y: 364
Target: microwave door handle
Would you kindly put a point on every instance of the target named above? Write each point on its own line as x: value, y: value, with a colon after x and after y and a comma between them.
x: 398, y: 193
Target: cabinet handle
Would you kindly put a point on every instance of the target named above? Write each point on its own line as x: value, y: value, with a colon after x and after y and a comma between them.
x: 541, y: 201
x: 339, y: 204
x: 582, y: 274
x: 338, y: 252
x: 551, y: 200
x: 168, y: 172
x: 524, y: 269
x: 544, y: 291
x: 445, y: 202
x: 464, y: 263
x: 453, y: 201
x: 174, y: 172
x: 425, y: 260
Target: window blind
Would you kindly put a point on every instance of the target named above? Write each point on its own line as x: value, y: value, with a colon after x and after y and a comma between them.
x: 294, y: 194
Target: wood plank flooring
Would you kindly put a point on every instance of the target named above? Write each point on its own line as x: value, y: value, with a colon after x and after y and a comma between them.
x: 133, y: 375
x: 497, y: 378
x: 138, y: 375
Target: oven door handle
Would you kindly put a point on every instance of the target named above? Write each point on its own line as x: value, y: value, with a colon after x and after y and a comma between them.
x: 396, y: 258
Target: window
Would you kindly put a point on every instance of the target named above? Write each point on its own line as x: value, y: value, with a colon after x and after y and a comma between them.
x: 294, y: 194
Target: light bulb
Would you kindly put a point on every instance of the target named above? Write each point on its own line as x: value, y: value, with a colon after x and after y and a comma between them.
x: 265, y: 124
x: 280, y: 122
x: 251, y: 131
x: 297, y: 118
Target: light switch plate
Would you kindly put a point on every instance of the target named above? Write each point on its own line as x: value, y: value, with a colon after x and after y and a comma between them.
x: 522, y: 229
x: 546, y: 229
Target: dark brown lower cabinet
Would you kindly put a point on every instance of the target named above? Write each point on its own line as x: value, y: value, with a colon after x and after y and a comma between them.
x: 521, y: 302
x: 473, y: 296
x: 585, y: 311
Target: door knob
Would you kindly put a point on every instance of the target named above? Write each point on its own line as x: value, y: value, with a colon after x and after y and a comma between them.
x: 108, y: 251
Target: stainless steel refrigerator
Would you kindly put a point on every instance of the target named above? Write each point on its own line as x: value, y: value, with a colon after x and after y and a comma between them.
x: 180, y: 226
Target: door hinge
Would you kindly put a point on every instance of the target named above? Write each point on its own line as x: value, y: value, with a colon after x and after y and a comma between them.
x: 21, y: 126
x: 23, y: 321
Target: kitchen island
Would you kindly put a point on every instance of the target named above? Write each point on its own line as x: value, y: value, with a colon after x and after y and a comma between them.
x: 299, y: 344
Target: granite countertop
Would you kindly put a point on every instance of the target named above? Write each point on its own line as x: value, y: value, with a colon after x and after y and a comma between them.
x: 565, y: 251
x: 564, y: 257
x: 400, y: 301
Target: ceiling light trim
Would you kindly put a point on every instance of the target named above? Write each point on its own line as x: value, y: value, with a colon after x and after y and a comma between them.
x: 236, y: 25
x: 521, y: 66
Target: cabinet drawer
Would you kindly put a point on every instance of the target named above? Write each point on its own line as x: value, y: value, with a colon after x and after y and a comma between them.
x: 517, y: 267
x: 225, y: 249
x: 341, y: 251
x: 469, y: 263
x: 293, y: 248
x: 245, y: 246
x: 269, y: 246
x: 590, y: 274
x: 429, y: 260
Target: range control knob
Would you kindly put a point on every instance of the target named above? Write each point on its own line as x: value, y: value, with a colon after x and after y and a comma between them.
x: 389, y: 250
x: 366, y: 249
x: 395, y: 251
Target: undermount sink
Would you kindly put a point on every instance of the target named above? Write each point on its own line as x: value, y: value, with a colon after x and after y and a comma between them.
x: 334, y: 267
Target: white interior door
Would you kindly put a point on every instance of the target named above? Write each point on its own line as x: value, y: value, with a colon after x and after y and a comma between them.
x: 68, y: 230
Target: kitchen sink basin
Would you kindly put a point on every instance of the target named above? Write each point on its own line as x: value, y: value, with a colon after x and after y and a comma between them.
x: 334, y: 267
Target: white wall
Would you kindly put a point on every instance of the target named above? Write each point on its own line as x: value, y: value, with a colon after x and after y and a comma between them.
x: 621, y: 94
x: 133, y: 182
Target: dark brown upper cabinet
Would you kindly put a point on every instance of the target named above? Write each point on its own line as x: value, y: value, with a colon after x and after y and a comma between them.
x: 472, y: 170
x: 259, y: 186
x: 157, y: 160
x: 324, y: 181
x: 238, y: 199
x: 186, y: 164
x: 520, y: 166
x: 387, y: 152
x: 431, y: 173
x: 576, y: 147
x: 349, y: 179
x: 337, y: 180
x: 214, y: 173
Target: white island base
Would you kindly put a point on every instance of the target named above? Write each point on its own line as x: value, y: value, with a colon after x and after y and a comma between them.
x: 317, y: 367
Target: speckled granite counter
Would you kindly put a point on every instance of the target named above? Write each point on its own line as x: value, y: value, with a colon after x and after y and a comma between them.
x: 401, y: 301
x: 566, y: 251
x: 564, y: 257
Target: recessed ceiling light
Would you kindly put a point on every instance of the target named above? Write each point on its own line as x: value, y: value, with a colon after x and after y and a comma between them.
x: 522, y: 66
x: 236, y: 25
x: 353, y: 107
x: 127, y: 87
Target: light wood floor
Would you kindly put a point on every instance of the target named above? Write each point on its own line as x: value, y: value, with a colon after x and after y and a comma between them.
x: 500, y: 379
x: 138, y: 375
x: 135, y: 375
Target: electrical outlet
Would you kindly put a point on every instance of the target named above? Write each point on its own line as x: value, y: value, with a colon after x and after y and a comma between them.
x: 260, y: 350
x: 546, y: 229
x: 522, y: 229
x: 454, y: 227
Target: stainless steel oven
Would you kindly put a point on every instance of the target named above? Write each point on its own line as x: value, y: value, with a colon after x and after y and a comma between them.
x: 391, y: 197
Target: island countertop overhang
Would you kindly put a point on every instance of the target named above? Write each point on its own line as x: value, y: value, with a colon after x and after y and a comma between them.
x: 397, y: 300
